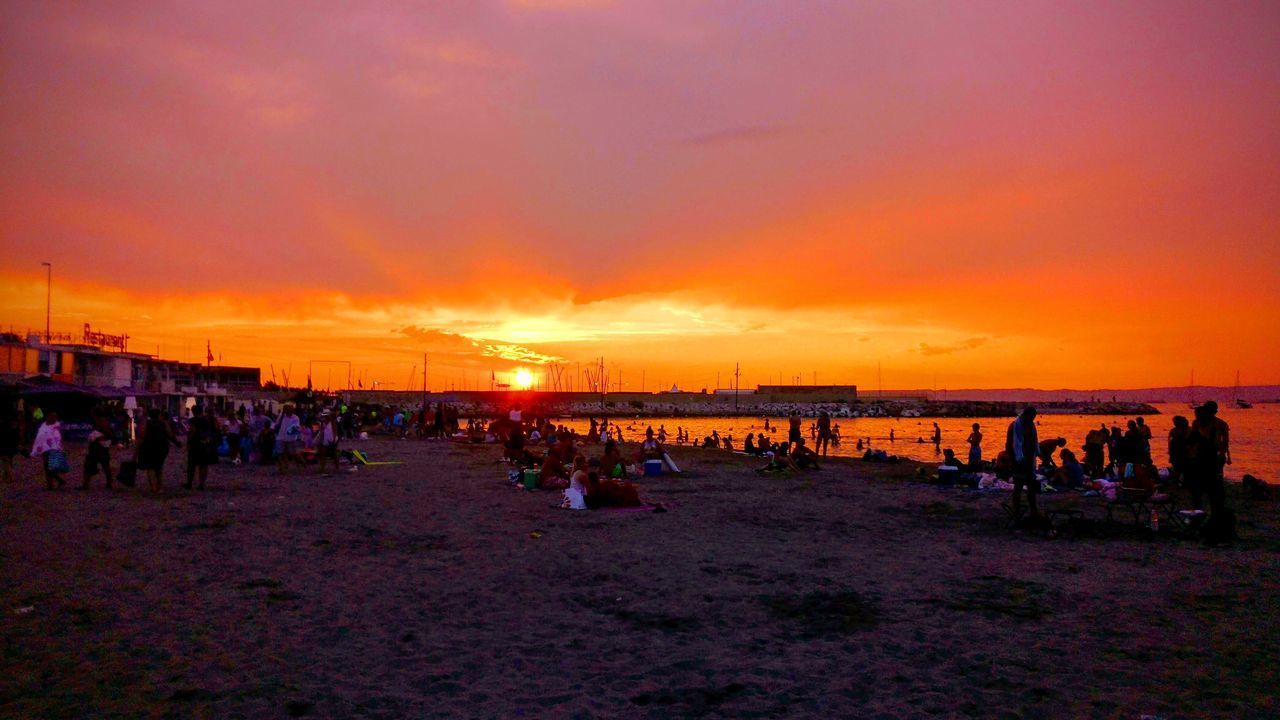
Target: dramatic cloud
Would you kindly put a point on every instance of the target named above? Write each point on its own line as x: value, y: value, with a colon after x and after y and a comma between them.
x: 461, y: 347
x: 798, y: 187
x: 970, y: 344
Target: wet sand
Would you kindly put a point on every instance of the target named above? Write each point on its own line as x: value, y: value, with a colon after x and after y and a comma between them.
x: 434, y: 589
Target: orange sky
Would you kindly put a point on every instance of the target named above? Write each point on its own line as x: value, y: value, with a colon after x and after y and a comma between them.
x: 971, y: 194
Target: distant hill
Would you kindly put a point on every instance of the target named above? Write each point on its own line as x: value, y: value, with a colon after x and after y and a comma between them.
x: 1224, y: 395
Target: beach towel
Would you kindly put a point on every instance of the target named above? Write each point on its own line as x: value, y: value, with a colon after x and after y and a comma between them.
x: 574, y: 499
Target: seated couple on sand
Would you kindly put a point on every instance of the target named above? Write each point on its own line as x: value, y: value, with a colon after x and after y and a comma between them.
x: 588, y: 491
x: 798, y: 458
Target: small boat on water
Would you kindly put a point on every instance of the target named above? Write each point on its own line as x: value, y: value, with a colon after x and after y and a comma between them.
x: 1241, y: 403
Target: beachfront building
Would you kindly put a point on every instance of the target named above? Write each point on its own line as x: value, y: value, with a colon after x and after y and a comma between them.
x: 99, y: 368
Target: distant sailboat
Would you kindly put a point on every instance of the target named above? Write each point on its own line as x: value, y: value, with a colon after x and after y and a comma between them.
x: 1241, y: 402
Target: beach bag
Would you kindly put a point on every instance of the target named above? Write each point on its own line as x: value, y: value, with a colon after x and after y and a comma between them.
x: 128, y: 475
x: 58, y: 462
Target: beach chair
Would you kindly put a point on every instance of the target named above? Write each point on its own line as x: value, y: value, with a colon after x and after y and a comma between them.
x: 1140, y: 502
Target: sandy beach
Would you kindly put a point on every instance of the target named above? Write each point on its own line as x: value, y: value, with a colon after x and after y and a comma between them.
x: 432, y: 588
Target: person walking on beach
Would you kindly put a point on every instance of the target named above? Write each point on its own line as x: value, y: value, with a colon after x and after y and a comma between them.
x: 202, y: 447
x: 975, y: 447
x: 98, y: 453
x: 153, y: 448
x: 1023, y: 446
x: 48, y: 445
x: 824, y: 433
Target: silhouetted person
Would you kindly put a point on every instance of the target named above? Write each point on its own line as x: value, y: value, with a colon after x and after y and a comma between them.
x: 1023, y: 445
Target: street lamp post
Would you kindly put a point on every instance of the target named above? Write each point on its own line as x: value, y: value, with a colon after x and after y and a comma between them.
x: 48, y: 298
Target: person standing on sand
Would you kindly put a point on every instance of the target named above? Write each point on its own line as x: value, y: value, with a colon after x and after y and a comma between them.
x: 1023, y: 446
x: 793, y: 422
x: 975, y: 446
x: 202, y: 447
x: 1209, y: 453
x: 327, y: 444
x: 153, y: 448
x: 824, y: 433
x: 289, y: 439
x: 1179, y: 436
x: 98, y: 453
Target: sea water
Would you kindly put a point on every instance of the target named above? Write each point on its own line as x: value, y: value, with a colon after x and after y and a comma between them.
x: 1255, y: 434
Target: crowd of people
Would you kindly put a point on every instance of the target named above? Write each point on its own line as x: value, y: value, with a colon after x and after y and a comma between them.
x: 1197, y: 452
x: 559, y: 458
x: 295, y: 438
x: 292, y: 438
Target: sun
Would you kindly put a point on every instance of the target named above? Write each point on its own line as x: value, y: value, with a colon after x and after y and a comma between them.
x: 524, y: 379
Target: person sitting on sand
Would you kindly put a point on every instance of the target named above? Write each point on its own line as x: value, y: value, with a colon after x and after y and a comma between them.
x: 554, y: 475
x: 1071, y: 474
x: 950, y: 460
x: 611, y: 463
x: 803, y: 458
x: 608, y: 492
x: 749, y: 445
x: 779, y: 461
x: 650, y: 448
x: 575, y: 496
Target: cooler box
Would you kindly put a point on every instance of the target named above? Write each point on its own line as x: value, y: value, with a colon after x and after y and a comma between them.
x: 948, y: 475
x: 652, y: 467
x: 530, y: 479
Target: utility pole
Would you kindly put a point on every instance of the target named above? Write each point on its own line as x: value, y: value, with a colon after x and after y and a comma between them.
x: 424, y: 387
x: 48, y: 299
